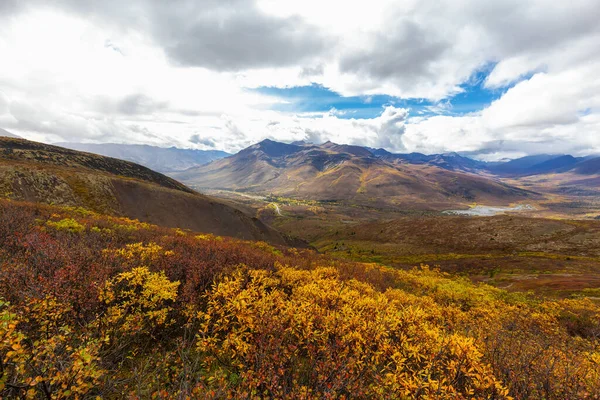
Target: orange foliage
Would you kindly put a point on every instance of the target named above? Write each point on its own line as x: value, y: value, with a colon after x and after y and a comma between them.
x: 99, y: 306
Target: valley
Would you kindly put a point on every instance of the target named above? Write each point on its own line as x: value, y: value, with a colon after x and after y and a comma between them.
x: 349, y: 174
x: 536, y: 234
x: 549, y: 256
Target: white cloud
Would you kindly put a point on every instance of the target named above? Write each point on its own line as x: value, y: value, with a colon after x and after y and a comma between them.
x: 549, y: 113
x: 147, y: 72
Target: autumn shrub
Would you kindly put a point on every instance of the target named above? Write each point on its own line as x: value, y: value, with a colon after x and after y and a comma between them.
x: 67, y: 224
x: 41, y: 355
x: 138, y: 303
x: 308, y: 334
x: 536, y: 357
x: 126, y: 309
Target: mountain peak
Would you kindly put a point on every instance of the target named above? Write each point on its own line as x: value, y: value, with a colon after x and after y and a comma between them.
x: 274, y: 149
x: 452, y: 154
x: 267, y: 142
x: 348, y: 149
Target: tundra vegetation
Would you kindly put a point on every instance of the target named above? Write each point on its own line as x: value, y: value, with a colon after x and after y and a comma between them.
x: 98, y: 306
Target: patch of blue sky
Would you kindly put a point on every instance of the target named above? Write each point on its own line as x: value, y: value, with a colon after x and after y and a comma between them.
x: 316, y: 98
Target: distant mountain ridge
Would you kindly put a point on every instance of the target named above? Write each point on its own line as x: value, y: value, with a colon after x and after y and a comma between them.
x: 173, y: 160
x: 524, y: 166
x: 449, y: 161
x: 334, y: 172
x: 156, y: 158
x: 546, y: 164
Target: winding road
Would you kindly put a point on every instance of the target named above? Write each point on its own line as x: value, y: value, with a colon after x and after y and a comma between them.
x: 277, y: 210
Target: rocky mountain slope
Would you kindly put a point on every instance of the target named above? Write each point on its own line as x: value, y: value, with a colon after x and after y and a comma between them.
x: 156, y: 158
x: 38, y: 172
x: 346, y: 173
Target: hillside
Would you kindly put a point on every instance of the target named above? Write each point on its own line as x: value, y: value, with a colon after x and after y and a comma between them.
x: 545, y: 164
x: 156, y: 158
x: 588, y: 167
x: 331, y: 172
x: 112, y: 308
x: 449, y: 161
x: 42, y: 173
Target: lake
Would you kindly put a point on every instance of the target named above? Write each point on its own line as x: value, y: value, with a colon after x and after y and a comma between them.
x: 488, y: 211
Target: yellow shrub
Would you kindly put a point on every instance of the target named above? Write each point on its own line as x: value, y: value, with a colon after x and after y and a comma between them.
x: 51, y: 362
x: 140, y: 253
x: 310, y: 334
x: 67, y: 224
x: 138, y: 300
x: 208, y: 237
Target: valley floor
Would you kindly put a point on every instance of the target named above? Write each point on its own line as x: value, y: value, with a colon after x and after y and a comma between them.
x: 547, y: 246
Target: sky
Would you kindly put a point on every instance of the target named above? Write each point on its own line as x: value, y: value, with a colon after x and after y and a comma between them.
x: 491, y: 79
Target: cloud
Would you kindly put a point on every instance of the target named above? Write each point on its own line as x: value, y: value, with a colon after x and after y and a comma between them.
x: 163, y: 72
x: 312, y: 71
x: 548, y: 113
x: 386, y: 130
x: 140, y: 104
x: 208, y: 142
x: 234, y: 36
x: 392, y: 128
x: 3, y: 104
x: 404, y: 56
x: 9, y: 7
x: 416, y: 49
x: 231, y: 35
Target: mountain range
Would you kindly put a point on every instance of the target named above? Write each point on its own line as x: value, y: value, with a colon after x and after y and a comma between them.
x: 174, y: 160
x: 363, y: 175
x: 333, y: 172
x: 160, y: 159
x: 546, y: 164
x: 524, y: 166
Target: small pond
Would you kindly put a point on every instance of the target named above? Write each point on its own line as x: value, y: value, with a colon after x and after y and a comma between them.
x: 488, y: 211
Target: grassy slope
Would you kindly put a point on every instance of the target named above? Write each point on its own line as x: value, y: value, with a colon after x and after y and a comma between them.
x: 43, y: 173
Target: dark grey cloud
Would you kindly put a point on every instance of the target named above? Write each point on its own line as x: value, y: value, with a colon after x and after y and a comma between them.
x: 235, y: 37
x: 406, y: 53
x: 312, y: 71
x: 197, y: 139
x: 225, y: 35
x: 131, y: 105
x: 443, y: 43
x: 140, y: 104
x: 9, y: 7
x: 516, y: 26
